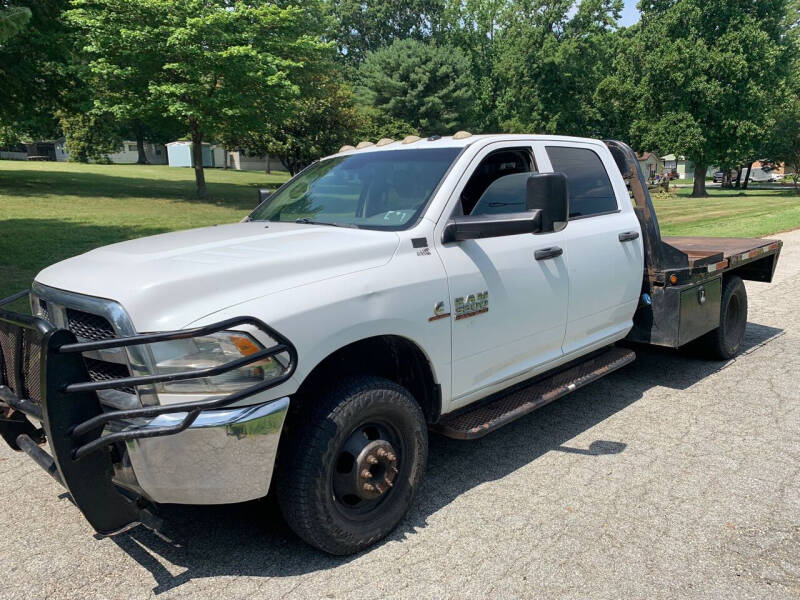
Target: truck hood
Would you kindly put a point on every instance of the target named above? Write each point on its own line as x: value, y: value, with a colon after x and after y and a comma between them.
x: 170, y: 280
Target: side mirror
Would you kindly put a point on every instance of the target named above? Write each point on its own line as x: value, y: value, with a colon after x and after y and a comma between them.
x: 549, y: 193
x: 486, y: 226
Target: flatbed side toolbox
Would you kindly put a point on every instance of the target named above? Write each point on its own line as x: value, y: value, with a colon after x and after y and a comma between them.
x: 678, y: 314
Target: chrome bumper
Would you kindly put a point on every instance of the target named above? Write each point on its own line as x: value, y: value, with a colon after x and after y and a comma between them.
x: 225, y: 456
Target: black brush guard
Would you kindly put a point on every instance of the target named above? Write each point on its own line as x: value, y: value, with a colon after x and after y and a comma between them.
x: 43, y: 375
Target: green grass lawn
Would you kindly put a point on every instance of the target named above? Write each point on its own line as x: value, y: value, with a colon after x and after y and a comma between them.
x: 728, y: 213
x: 50, y: 211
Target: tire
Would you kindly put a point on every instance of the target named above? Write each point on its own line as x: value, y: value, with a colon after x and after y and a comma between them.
x: 726, y: 340
x: 322, y: 488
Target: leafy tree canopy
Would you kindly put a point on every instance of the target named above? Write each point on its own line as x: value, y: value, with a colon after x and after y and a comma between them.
x: 35, y: 67
x: 423, y: 84
x: 12, y: 20
x: 213, y: 65
x: 700, y: 77
x: 363, y: 27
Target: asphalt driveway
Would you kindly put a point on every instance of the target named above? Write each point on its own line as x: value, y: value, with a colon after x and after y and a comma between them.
x: 674, y: 477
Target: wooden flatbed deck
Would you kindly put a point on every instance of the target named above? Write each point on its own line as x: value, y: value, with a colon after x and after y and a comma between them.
x: 712, y: 250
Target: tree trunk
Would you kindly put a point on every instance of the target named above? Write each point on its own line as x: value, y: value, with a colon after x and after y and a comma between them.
x: 738, y: 177
x: 747, y: 177
x: 142, y: 158
x: 225, y: 159
x: 699, y: 188
x: 197, y: 159
x: 267, y: 169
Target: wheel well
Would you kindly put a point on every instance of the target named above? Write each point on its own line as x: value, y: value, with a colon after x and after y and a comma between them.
x: 394, y: 357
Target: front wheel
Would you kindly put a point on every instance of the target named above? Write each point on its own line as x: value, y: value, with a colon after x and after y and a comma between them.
x: 725, y: 341
x: 353, y: 464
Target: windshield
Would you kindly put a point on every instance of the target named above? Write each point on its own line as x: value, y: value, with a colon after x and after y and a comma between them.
x: 374, y: 190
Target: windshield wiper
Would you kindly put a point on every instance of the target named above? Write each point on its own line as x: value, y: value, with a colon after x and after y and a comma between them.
x: 307, y: 221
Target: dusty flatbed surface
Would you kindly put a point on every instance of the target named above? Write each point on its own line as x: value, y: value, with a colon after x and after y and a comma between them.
x: 672, y: 478
x: 699, y: 248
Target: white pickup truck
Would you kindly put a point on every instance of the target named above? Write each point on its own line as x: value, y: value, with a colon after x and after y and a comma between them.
x: 450, y: 284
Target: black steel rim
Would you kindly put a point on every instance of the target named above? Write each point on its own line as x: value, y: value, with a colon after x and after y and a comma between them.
x: 375, y: 439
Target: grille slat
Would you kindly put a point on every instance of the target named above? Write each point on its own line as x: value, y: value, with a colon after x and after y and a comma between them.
x: 87, y: 326
x: 100, y: 370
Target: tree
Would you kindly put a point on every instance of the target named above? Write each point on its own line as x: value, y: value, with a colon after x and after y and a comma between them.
x: 700, y: 76
x: 323, y: 118
x: 90, y: 136
x: 551, y: 60
x: 12, y: 20
x: 426, y: 85
x: 477, y: 27
x: 363, y: 27
x: 214, y: 65
x: 784, y: 141
x: 35, y: 58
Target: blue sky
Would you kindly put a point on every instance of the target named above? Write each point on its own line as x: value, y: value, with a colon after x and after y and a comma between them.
x: 629, y: 14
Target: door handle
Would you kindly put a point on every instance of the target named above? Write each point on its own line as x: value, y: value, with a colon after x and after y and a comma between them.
x: 546, y: 253
x: 627, y: 236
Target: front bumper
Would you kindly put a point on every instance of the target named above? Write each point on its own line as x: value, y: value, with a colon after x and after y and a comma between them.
x: 114, y: 463
x: 225, y: 456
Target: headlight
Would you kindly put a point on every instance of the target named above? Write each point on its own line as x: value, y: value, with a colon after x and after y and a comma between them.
x: 212, y: 351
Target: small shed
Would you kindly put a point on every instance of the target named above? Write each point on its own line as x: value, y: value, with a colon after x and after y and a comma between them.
x: 649, y: 163
x: 179, y: 154
x: 678, y: 164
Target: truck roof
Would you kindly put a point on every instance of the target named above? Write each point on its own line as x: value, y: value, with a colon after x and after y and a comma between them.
x: 458, y: 140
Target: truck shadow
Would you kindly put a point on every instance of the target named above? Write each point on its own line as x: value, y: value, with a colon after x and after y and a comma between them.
x: 252, y: 539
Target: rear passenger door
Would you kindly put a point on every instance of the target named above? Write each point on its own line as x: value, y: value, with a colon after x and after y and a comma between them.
x: 605, y: 257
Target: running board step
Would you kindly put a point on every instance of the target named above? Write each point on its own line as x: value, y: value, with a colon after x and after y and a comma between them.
x: 488, y: 417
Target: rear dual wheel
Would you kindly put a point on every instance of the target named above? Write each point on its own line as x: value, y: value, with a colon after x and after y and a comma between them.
x: 725, y: 341
x: 353, y: 464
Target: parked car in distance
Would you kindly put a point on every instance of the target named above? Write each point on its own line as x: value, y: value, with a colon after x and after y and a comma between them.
x: 719, y: 176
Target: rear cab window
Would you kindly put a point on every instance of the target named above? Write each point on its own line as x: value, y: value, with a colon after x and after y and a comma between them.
x: 590, y: 189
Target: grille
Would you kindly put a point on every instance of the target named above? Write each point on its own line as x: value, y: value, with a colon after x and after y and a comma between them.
x: 89, y: 327
x: 45, y: 312
x: 100, y: 370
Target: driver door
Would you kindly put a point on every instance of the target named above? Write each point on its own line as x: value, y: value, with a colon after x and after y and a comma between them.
x: 509, y: 294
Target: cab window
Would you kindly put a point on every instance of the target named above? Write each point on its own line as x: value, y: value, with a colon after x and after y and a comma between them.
x: 590, y: 190
x: 478, y: 199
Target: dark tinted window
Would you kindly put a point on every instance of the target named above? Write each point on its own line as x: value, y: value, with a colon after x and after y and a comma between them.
x: 590, y: 190
x: 504, y: 195
x: 497, y: 165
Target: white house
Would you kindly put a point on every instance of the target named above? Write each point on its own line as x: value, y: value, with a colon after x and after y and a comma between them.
x: 650, y: 164
x: 243, y: 160
x: 679, y: 164
x: 127, y: 154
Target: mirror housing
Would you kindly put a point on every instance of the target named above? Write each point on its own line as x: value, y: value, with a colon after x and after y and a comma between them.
x: 487, y: 226
x: 549, y: 193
